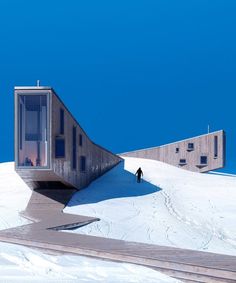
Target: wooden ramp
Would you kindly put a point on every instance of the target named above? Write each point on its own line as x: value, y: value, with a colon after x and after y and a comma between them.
x: 186, y: 265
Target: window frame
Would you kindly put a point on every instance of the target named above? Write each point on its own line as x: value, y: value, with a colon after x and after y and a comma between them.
x: 80, y: 140
x: 83, y: 164
x: 17, y: 96
x: 190, y: 148
x: 60, y: 156
x: 215, y: 147
x: 74, y: 148
x: 206, y: 158
x: 62, y: 121
x: 181, y: 162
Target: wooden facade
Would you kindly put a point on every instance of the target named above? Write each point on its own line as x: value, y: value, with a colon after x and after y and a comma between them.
x: 60, y: 154
x: 198, y: 154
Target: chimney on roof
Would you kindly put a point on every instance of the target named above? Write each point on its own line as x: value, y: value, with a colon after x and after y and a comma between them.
x: 208, y: 128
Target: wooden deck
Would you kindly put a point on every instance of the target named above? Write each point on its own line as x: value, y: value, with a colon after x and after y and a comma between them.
x: 45, y: 208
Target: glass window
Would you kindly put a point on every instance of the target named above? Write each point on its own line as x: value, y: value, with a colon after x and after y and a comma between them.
x: 215, y: 146
x: 190, y: 146
x: 80, y: 140
x: 74, y: 148
x: 21, y: 125
x: 61, y: 121
x: 224, y: 148
x: 177, y: 150
x: 60, y: 148
x: 182, y: 161
x: 203, y: 159
x: 33, y: 130
x: 82, y: 163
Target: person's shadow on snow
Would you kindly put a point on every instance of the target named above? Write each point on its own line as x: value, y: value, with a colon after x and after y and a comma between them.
x: 116, y: 183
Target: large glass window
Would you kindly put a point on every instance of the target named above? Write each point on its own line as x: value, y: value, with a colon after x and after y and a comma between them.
x: 33, y: 130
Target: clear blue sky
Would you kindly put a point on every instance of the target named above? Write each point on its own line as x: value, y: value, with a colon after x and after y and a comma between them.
x: 135, y: 74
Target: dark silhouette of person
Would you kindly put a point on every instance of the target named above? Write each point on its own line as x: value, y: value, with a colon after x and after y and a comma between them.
x: 139, y: 174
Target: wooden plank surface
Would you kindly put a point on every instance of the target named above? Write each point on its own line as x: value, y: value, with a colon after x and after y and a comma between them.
x: 180, y: 263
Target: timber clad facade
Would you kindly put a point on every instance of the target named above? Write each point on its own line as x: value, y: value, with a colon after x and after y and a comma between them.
x: 199, y: 154
x: 51, y: 148
x: 53, y: 151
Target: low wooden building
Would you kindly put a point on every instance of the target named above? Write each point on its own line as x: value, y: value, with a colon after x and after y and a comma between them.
x: 199, y: 154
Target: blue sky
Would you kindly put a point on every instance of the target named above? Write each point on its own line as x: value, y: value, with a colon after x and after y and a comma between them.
x: 135, y: 74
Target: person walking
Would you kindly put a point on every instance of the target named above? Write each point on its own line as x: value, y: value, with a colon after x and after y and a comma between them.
x: 139, y: 174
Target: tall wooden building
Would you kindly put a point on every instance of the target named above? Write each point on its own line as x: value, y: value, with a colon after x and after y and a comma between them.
x: 51, y: 148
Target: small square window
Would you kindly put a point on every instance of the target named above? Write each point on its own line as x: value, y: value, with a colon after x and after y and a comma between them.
x: 60, y: 148
x: 177, y: 150
x: 190, y: 146
x: 182, y: 161
x: 203, y: 160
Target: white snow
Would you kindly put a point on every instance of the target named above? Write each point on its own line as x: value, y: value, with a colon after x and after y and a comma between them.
x: 171, y: 207
x: 21, y: 264
x: 14, y: 195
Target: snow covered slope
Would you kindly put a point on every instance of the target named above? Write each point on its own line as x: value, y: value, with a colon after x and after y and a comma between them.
x: 14, y: 195
x: 20, y: 264
x: 171, y: 207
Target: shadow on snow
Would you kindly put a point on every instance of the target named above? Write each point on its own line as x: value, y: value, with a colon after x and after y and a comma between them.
x: 116, y: 183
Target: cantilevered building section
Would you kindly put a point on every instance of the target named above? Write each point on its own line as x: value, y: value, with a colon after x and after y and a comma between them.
x: 51, y: 149
x: 199, y: 154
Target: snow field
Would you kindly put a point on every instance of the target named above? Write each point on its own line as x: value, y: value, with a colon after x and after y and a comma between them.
x: 21, y: 264
x: 171, y: 207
